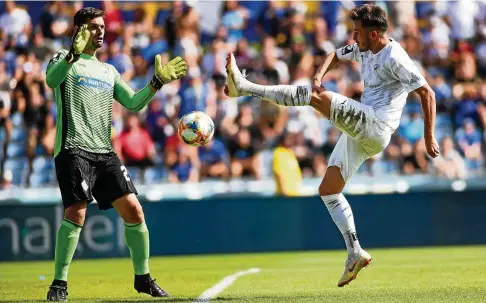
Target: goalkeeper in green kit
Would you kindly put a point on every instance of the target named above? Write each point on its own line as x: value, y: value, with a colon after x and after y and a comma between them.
x: 86, y: 166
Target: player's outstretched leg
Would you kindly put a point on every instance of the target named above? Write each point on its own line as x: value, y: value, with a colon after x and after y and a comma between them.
x: 287, y: 95
x: 330, y: 191
x: 137, y: 240
x: 66, y: 242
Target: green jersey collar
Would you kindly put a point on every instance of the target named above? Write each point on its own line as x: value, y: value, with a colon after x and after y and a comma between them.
x: 86, y: 56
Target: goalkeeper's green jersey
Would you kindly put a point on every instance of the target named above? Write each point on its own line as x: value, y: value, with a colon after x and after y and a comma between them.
x: 84, y: 93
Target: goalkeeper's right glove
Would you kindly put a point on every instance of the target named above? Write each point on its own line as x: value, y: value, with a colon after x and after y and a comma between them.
x: 174, y: 70
x: 78, y: 43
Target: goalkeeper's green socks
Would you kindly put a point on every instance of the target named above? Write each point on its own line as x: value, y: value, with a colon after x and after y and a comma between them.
x: 137, y: 240
x: 66, y: 242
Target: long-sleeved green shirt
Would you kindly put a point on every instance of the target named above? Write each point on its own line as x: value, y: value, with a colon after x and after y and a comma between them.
x: 84, y: 93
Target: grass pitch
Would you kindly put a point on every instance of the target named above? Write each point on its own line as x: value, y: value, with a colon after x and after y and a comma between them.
x: 449, y: 274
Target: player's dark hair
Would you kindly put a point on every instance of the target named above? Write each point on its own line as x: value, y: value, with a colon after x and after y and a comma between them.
x: 85, y: 14
x: 371, y: 16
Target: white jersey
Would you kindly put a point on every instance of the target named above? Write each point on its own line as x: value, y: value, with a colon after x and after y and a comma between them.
x: 389, y: 76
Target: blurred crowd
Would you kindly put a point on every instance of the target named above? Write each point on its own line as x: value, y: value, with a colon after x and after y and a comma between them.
x: 277, y: 42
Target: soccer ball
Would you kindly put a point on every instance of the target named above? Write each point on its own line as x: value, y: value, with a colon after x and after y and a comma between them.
x: 196, y: 128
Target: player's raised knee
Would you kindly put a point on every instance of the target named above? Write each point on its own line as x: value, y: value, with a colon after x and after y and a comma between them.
x: 321, y: 100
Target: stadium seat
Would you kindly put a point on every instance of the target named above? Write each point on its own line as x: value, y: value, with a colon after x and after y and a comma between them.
x: 40, y: 150
x: 443, y: 120
x: 37, y: 180
x: 19, y: 134
x: 162, y: 15
x: 128, y: 15
x: 266, y: 162
x: 3, y: 134
x: 16, y: 164
x: 135, y: 174
x: 42, y: 164
x: 153, y: 175
x: 17, y: 120
x: 384, y: 168
x: 19, y: 168
x: 15, y: 149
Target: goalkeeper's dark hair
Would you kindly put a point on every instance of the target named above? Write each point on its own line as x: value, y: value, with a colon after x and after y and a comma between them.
x: 85, y: 14
x: 371, y: 16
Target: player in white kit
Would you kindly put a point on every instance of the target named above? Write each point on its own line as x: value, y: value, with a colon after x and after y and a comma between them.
x: 389, y: 76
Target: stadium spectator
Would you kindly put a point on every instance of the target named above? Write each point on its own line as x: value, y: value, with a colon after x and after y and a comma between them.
x: 412, y: 129
x: 114, y: 22
x: 118, y: 57
x: 137, y: 31
x: 48, y: 136
x: 469, y: 140
x: 450, y: 164
x: 214, y: 160
x: 233, y: 18
x: 6, y: 180
x: 466, y: 106
x: 15, y: 22
x: 134, y: 144
x: 244, y: 158
x: 292, y: 39
x: 414, y: 157
x: 185, y: 169
x: 285, y: 168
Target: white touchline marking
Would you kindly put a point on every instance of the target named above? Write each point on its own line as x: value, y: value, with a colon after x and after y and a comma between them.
x: 212, y: 292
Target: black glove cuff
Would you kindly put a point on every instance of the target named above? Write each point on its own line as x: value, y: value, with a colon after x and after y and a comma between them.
x: 71, y: 58
x: 156, y: 83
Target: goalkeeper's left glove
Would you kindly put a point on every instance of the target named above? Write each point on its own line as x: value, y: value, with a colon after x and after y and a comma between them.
x: 174, y: 70
x: 78, y: 43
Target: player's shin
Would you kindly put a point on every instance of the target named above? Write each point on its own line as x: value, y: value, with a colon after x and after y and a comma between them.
x: 137, y: 240
x: 66, y: 242
x: 342, y: 215
x: 287, y: 95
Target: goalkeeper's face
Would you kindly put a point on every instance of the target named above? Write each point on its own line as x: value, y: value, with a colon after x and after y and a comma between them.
x: 96, y: 26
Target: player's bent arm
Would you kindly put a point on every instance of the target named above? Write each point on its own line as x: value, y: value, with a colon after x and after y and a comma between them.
x: 427, y: 99
x: 345, y: 53
x: 329, y: 63
x: 57, y: 69
x: 134, y: 101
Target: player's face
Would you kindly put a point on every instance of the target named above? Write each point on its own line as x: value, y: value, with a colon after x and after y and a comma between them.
x: 97, y: 28
x: 361, y: 37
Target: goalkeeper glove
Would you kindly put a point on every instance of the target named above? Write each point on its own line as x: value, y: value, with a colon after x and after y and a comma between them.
x: 78, y: 43
x: 174, y: 70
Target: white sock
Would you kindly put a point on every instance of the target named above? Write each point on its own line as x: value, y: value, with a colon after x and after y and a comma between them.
x: 288, y: 95
x: 342, y: 215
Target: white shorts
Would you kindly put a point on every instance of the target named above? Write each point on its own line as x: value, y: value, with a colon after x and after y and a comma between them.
x: 364, y: 134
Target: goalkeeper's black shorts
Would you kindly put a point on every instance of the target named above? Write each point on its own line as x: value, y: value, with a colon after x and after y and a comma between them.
x: 85, y: 176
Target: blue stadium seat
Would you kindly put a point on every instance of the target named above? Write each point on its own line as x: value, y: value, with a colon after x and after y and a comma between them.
x: 16, y: 164
x: 19, y: 134
x: 266, y: 160
x: 40, y: 150
x: 128, y: 15
x: 3, y: 134
x: 135, y: 174
x: 153, y: 175
x: 19, y: 168
x: 16, y: 149
x: 384, y: 167
x: 162, y: 15
x: 444, y: 120
x: 37, y: 180
x: 42, y: 164
x: 17, y: 119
